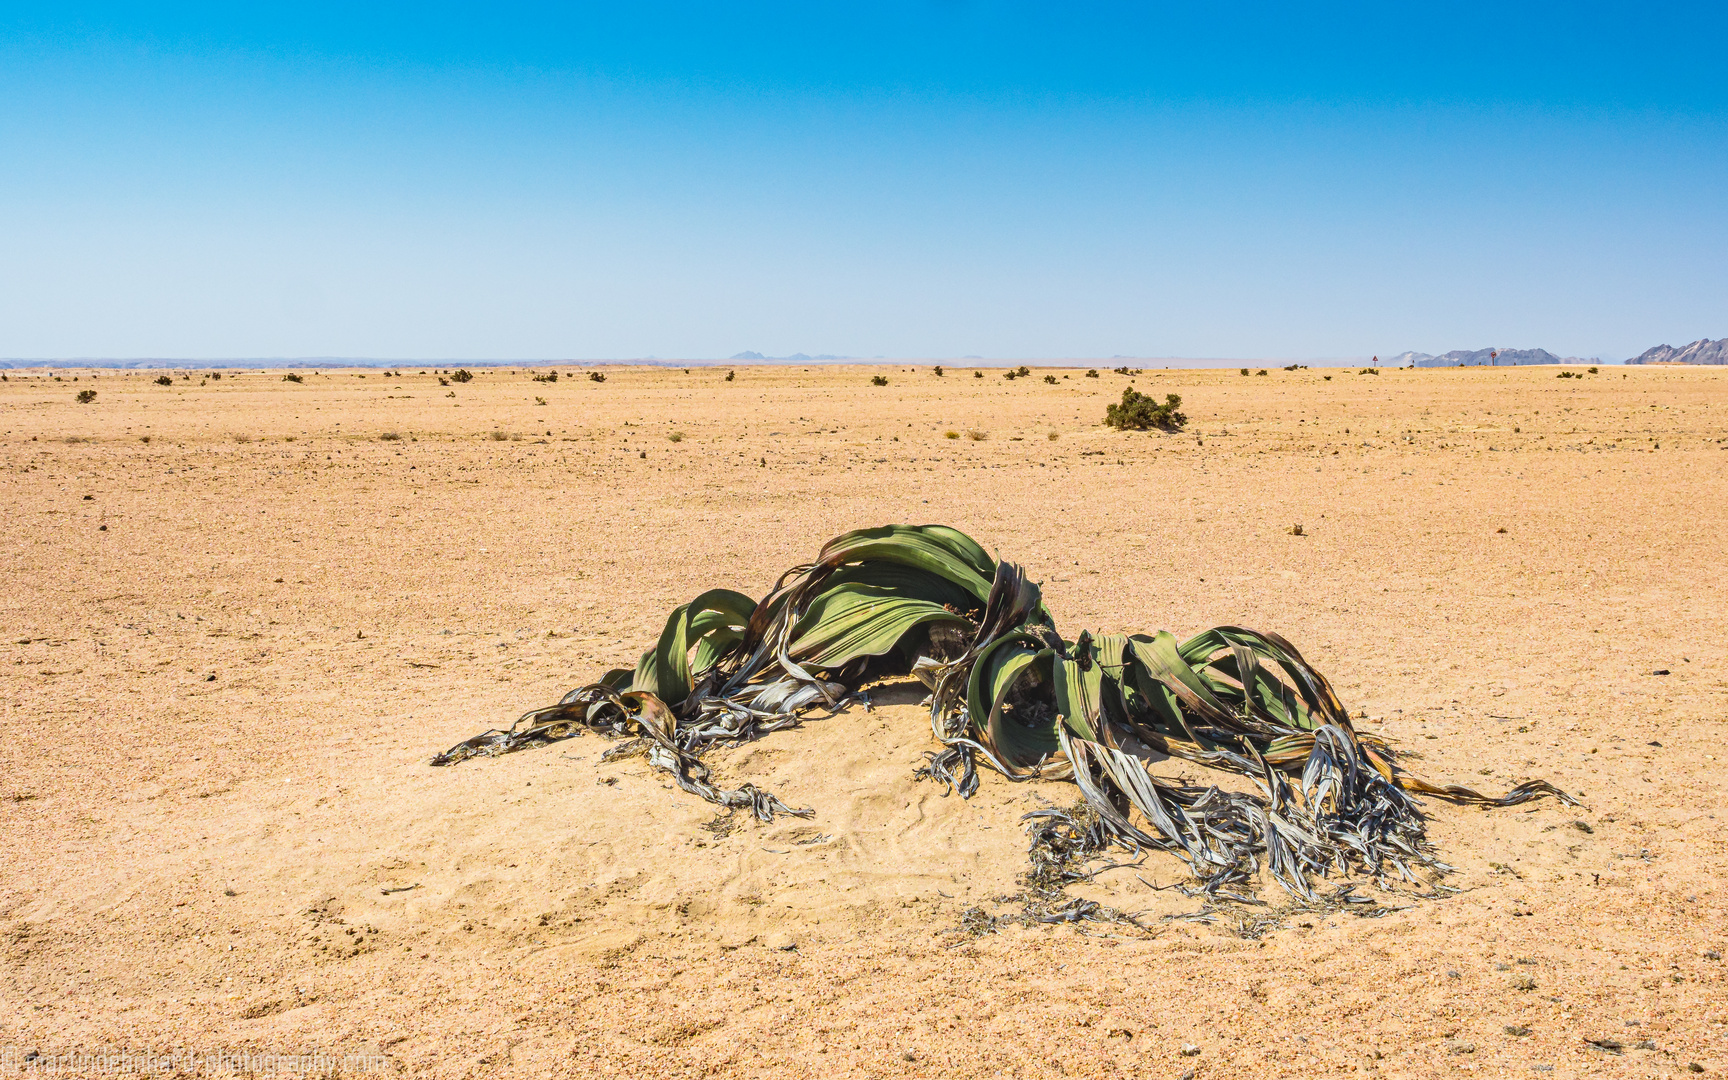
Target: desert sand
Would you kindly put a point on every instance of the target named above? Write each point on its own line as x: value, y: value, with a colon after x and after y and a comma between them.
x: 241, y: 615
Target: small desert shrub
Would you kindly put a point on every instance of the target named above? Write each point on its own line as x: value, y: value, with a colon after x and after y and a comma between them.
x: 1369, y: 371
x: 443, y: 382
x: 550, y: 376
x: 595, y: 376
x: 1141, y: 412
x: 937, y: 369
x: 676, y: 436
x: 1244, y: 371
x: 1051, y: 379
x: 1053, y: 435
x: 950, y: 434
x: 163, y: 380
x: 145, y: 439
x: 292, y: 378
x: 390, y: 436
x: 215, y: 374
x: 1262, y: 371
x: 242, y: 439
x: 499, y: 436
x: 1592, y: 371
x: 878, y: 380
x: 85, y: 397
x: 539, y: 400
x: 1092, y: 373
x: 730, y: 375
x: 1564, y: 375
x: 461, y: 375
x: 977, y: 374
x: 1126, y: 370
x: 977, y: 436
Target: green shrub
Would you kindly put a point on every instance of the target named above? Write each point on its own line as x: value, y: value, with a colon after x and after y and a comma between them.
x: 163, y: 380
x: 286, y: 378
x: 878, y: 380
x: 461, y: 375
x: 938, y: 369
x: 1051, y: 379
x: 1141, y: 412
x: 595, y: 376
x: 1092, y: 373
x: 85, y: 397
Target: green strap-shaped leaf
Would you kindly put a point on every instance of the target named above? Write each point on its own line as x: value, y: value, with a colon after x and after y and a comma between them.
x: 852, y: 620
x: 1018, y: 739
x: 907, y: 581
x: 937, y: 549
x: 1080, y: 691
x: 664, y: 670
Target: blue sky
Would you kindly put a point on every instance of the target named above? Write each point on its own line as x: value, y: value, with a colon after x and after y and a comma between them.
x: 895, y: 179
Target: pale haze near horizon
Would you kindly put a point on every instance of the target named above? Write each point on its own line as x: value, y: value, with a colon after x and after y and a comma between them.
x: 1024, y: 185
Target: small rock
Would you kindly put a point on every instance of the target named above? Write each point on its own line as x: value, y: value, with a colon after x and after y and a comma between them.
x: 1583, y: 826
x: 1460, y: 1046
x: 1524, y: 984
x: 783, y: 941
x: 1190, y: 1050
x: 1644, y: 1044
x: 1694, y: 1067
x: 1712, y: 954
x: 909, y: 1056
x: 1516, y: 1029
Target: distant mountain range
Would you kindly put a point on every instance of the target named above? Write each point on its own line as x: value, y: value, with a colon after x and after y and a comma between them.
x: 1490, y: 357
x: 1702, y: 351
x: 795, y: 358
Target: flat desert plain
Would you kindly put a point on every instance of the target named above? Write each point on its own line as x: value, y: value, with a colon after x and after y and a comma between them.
x: 241, y: 615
